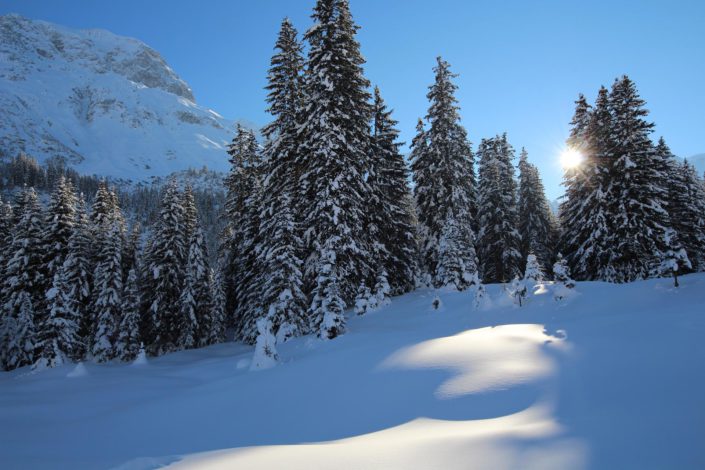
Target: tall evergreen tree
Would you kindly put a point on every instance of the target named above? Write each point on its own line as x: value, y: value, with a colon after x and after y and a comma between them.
x: 61, y: 219
x: 583, y: 213
x: 216, y: 330
x: 685, y: 204
x: 58, y: 340
x: 108, y: 288
x: 128, y: 342
x: 335, y: 143
x: 637, y: 206
x: 498, y: 238
x: 78, y: 270
x: 442, y: 164
x: 164, y: 274
x: 196, y: 299
x: 390, y: 208
x: 23, y: 283
x: 280, y: 247
x: 537, y: 224
x: 18, y: 333
x: 243, y: 210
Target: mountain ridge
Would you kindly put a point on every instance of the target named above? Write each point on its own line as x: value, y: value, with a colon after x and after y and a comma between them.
x: 106, y: 104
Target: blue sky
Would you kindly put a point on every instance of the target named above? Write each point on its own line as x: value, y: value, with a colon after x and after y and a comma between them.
x: 521, y: 63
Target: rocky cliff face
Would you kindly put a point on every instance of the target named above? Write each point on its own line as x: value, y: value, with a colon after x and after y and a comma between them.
x: 109, y: 105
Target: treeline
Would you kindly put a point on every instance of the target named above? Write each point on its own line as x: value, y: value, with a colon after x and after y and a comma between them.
x: 138, y: 201
x: 79, y: 283
x: 632, y: 209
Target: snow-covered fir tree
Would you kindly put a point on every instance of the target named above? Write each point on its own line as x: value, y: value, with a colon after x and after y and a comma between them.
x: 674, y: 259
x: 58, y: 340
x: 332, y: 161
x: 533, y: 272
x: 129, y: 341
x: 240, y: 239
x: 563, y: 283
x: 22, y: 283
x: 280, y: 247
x: 517, y: 290
x: 61, y: 219
x: 685, y: 204
x: 636, y: 207
x: 583, y: 212
x: 390, y: 202
x: 498, y: 238
x: 216, y: 330
x: 108, y: 286
x: 18, y: 333
x: 537, y: 225
x: 457, y: 261
x: 163, y: 277
x: 265, y: 355
x: 442, y: 166
x: 326, y: 311
x: 79, y: 272
x: 196, y: 297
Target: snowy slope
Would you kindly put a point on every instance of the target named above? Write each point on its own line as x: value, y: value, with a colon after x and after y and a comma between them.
x: 699, y: 162
x: 611, y: 380
x: 108, y: 104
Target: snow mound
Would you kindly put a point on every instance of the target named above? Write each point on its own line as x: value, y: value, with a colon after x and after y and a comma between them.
x: 78, y: 371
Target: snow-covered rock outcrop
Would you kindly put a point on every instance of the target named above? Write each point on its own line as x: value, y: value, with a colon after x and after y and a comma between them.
x: 109, y: 105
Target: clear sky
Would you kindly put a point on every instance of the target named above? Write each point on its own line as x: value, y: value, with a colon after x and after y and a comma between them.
x: 521, y: 63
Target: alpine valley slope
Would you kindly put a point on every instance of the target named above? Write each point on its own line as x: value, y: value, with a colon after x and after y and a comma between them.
x: 611, y: 379
x: 109, y: 105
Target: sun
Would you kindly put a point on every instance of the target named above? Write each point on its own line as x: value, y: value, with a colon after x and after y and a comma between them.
x: 571, y: 158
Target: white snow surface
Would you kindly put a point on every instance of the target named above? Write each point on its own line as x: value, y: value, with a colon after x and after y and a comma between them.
x: 109, y: 105
x: 608, y: 379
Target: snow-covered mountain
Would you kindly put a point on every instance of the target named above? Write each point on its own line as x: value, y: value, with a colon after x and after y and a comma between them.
x: 108, y: 104
x: 698, y: 161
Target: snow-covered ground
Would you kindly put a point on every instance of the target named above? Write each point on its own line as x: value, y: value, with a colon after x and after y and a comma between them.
x: 614, y: 379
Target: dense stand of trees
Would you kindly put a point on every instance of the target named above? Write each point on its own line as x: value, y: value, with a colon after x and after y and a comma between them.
x: 321, y: 216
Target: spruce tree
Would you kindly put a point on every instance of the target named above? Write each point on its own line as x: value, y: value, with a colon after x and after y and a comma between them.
x: 18, y: 333
x: 280, y: 247
x: 108, y: 286
x: 333, y: 160
x: 686, y: 205
x: 58, y: 340
x: 537, y: 225
x: 79, y: 270
x: 61, y: 219
x: 498, y: 238
x: 390, y: 205
x: 583, y: 213
x: 326, y: 311
x: 196, y: 300
x: 241, y: 238
x: 23, y: 281
x: 564, y: 284
x: 164, y: 274
x: 636, y: 209
x: 216, y: 330
x: 442, y: 165
x: 129, y: 341
x: 674, y: 259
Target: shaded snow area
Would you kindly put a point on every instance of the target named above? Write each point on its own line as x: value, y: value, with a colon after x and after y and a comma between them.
x: 611, y: 379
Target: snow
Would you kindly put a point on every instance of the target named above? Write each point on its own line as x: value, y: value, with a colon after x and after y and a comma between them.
x: 108, y: 104
x: 610, y: 378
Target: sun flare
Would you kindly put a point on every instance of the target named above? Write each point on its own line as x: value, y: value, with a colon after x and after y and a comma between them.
x: 571, y: 158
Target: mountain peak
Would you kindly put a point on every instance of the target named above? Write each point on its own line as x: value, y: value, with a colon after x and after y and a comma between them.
x: 105, y: 103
